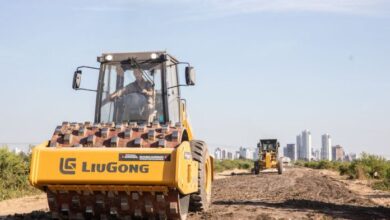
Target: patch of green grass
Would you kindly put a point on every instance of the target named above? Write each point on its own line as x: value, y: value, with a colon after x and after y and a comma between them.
x: 323, y: 164
x: 222, y: 165
x: 370, y: 166
x: 366, y: 167
x: 14, y: 170
x: 382, y: 185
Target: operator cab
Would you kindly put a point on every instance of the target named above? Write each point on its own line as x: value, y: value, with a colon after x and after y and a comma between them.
x: 268, y: 145
x: 131, y: 92
x: 138, y: 87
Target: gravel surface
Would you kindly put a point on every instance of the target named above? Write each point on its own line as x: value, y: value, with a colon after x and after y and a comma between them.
x: 298, y: 193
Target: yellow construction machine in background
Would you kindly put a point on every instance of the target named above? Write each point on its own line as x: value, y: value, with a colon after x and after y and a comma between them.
x: 268, y: 151
x: 139, y: 158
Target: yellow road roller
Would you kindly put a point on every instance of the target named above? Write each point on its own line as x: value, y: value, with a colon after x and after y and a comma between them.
x: 138, y: 159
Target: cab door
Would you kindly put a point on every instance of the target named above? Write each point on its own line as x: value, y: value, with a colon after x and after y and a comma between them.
x: 173, y: 92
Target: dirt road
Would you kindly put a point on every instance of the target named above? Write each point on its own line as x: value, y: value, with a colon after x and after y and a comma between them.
x: 297, y: 194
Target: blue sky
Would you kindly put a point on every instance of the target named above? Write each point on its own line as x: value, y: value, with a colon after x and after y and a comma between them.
x: 264, y: 68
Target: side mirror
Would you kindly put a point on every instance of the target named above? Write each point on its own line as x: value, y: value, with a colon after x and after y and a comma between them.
x: 190, y: 76
x: 76, y: 79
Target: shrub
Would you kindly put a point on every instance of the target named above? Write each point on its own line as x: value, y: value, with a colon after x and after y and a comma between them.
x: 366, y: 167
x: 370, y: 166
x: 14, y: 170
x: 299, y: 163
x: 382, y: 185
x: 343, y: 168
x: 311, y: 164
x: 360, y: 172
x: 222, y: 165
x: 324, y: 164
x: 388, y: 174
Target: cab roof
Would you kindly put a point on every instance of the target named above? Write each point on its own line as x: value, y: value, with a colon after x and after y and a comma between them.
x: 118, y: 57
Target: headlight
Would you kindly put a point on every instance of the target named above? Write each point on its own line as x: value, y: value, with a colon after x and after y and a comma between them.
x: 153, y: 56
x: 108, y: 57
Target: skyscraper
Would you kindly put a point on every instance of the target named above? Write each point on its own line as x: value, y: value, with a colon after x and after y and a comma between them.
x: 316, y: 154
x: 337, y: 153
x: 236, y: 155
x: 246, y: 153
x: 299, y: 146
x: 223, y: 154
x: 306, y: 145
x: 291, y: 152
x: 218, y: 154
x: 256, y: 154
x: 229, y: 155
x: 326, y: 149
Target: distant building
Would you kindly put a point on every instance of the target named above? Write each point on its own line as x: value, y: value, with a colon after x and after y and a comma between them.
x: 256, y: 154
x: 353, y: 156
x: 16, y: 150
x: 299, y: 147
x: 290, y: 151
x: 337, y: 153
x: 316, y: 155
x: 306, y: 145
x: 229, y: 155
x: 236, y: 155
x: 218, y: 154
x: 246, y: 153
x: 326, y: 149
x: 348, y: 158
x: 242, y: 154
x: 223, y: 154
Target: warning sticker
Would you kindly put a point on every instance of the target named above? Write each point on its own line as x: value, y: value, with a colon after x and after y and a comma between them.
x: 144, y: 157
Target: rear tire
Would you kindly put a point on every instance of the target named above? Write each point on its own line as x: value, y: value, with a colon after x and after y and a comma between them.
x: 256, y: 167
x: 200, y: 200
x: 280, y: 167
x: 183, y: 206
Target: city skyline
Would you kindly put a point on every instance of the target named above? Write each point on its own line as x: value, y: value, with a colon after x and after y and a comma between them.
x: 325, y: 140
x: 241, y: 153
x: 25, y: 146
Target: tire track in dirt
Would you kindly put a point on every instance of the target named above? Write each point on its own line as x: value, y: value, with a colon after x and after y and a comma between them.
x: 296, y: 194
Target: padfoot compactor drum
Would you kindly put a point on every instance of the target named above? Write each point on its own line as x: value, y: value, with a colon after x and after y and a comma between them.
x: 138, y: 160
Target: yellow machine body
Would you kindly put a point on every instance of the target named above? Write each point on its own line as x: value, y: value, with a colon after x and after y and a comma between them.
x: 268, y: 156
x: 101, y: 166
x: 270, y: 160
x: 125, y: 168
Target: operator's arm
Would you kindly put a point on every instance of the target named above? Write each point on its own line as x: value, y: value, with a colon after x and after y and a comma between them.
x: 123, y: 91
x: 147, y: 92
x: 148, y: 89
x: 132, y: 87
